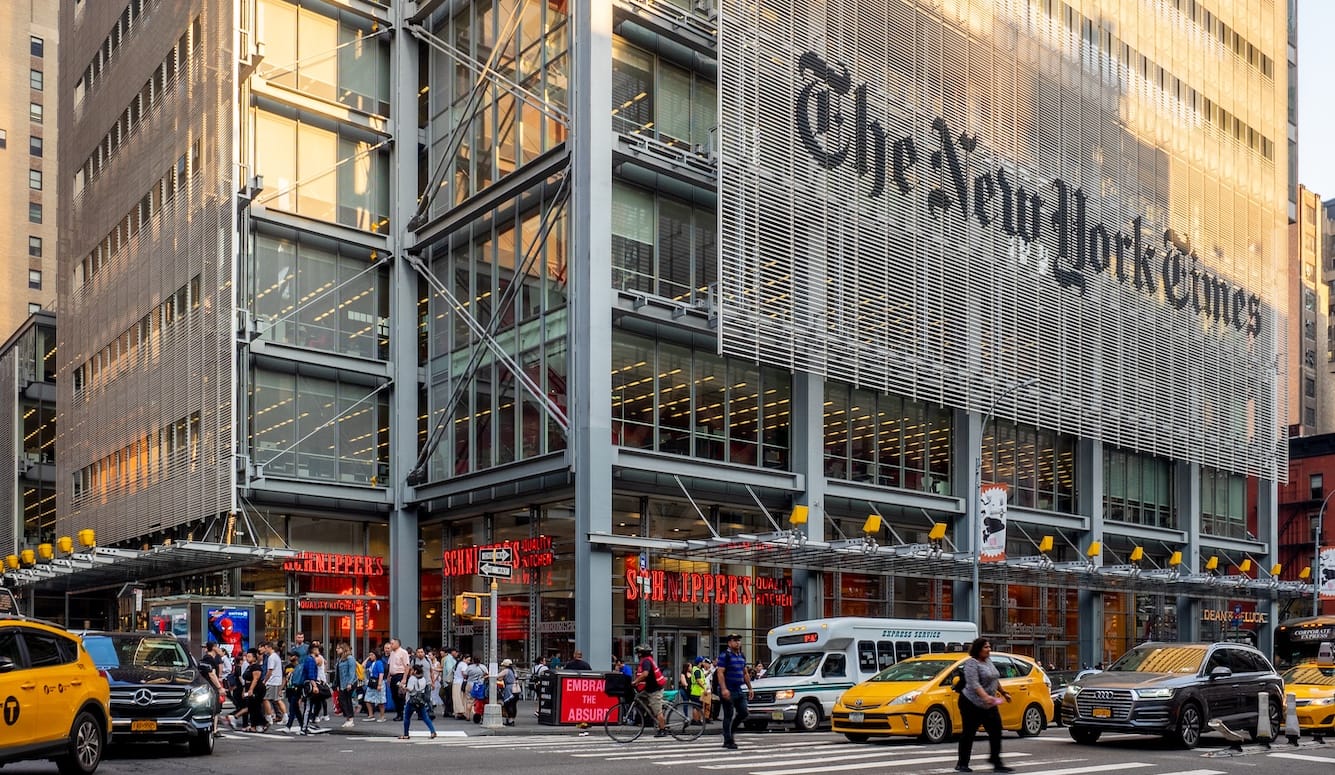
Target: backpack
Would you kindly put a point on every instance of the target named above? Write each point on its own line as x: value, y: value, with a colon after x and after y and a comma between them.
x: 957, y: 680
x: 361, y: 672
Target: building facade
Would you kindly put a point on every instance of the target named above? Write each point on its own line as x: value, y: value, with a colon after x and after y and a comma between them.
x: 381, y: 284
x: 1303, y: 523
x: 28, y: 171
x: 28, y: 417
x: 1309, y: 299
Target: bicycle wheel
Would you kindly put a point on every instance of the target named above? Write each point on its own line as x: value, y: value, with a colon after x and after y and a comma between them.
x: 682, y: 720
x: 624, y: 722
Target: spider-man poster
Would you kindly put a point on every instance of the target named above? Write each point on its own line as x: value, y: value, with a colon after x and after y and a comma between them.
x: 230, y: 628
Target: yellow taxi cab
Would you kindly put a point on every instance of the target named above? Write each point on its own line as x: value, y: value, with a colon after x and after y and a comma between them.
x: 914, y: 697
x: 1313, y: 688
x: 53, y: 702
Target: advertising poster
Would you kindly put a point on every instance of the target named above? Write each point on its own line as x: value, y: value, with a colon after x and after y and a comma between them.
x: 992, y: 500
x: 230, y: 628
x: 170, y: 620
x: 1325, y: 573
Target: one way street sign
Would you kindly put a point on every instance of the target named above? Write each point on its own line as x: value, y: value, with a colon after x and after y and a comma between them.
x: 501, y: 554
x: 495, y: 570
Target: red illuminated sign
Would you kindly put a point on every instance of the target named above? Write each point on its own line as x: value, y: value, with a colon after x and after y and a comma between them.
x: 526, y: 554
x: 717, y: 588
x: 324, y: 564
x: 583, y: 700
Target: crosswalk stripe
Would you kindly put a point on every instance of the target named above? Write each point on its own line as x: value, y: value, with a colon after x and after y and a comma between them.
x: 1194, y: 772
x: 759, y: 761
x: 1091, y: 768
x: 860, y: 765
x: 1302, y: 757
x: 693, y: 749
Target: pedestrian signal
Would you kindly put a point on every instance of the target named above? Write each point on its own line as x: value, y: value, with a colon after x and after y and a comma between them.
x: 469, y: 605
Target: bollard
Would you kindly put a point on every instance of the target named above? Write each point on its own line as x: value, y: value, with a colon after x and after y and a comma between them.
x: 1264, y: 734
x: 1291, y: 730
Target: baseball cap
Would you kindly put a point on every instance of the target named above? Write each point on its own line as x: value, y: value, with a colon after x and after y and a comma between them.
x: 507, y: 663
x: 698, y: 660
x: 733, y: 636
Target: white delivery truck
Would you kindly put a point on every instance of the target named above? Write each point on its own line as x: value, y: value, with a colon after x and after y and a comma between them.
x: 815, y: 661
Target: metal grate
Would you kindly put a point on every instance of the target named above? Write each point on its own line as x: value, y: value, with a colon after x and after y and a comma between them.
x: 829, y: 268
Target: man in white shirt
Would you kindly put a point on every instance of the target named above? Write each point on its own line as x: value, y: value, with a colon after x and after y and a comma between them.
x: 274, y: 708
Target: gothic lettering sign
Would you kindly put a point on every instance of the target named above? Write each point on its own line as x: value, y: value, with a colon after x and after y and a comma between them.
x: 324, y: 564
x: 716, y: 588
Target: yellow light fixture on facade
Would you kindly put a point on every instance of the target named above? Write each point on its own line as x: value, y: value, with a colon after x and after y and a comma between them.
x: 1245, y: 566
x: 1094, y: 550
x: 1138, y: 554
x: 799, y: 515
x: 1175, y: 559
x: 872, y: 525
x: 28, y: 557
x: 1276, y: 568
x: 65, y: 544
x: 1305, y: 573
x: 46, y: 551
x: 12, y: 562
x: 938, y: 532
x: 1212, y: 563
x: 1045, y: 544
x: 87, y: 538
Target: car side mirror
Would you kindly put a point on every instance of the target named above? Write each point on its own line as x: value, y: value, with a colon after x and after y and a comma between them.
x: 6, y: 665
x: 1221, y: 672
x: 1325, y: 655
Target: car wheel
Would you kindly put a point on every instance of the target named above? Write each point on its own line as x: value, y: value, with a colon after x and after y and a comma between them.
x: 808, y: 717
x: 1276, y: 714
x: 85, y: 746
x: 202, y: 743
x: 935, y: 725
x: 857, y: 737
x: 1032, y: 723
x: 1188, y: 732
x: 1085, y: 736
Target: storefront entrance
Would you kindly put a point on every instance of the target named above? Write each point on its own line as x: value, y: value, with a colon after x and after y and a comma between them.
x: 327, y: 628
x: 673, y: 648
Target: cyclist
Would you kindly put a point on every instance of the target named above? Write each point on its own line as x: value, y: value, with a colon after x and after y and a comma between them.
x: 648, y: 679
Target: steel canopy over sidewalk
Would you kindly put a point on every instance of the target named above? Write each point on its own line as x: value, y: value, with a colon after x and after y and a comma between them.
x: 786, y: 550
x: 103, y: 567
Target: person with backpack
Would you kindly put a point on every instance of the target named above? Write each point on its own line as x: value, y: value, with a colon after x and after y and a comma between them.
x: 346, y: 676
x: 417, y: 699
x: 980, y: 699
x: 507, y: 691
x: 649, y: 680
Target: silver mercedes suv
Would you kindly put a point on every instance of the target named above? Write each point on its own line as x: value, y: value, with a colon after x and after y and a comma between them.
x: 1175, y: 690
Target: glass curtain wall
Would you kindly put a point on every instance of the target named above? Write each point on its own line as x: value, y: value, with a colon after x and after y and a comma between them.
x: 655, y: 98
x: 319, y: 429
x: 1138, y: 489
x: 886, y: 440
x: 326, y: 53
x: 662, y: 246
x: 1223, y: 503
x: 1038, y: 465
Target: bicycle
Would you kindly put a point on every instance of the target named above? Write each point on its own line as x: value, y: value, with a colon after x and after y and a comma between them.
x: 627, y: 720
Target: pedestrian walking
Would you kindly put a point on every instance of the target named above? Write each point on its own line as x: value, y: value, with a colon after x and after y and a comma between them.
x: 345, y: 677
x: 734, y: 688
x: 274, y: 710
x: 397, y: 663
x: 417, y: 700
x: 507, y: 686
x: 477, y: 689
x: 462, y: 702
x: 979, y: 704
x: 374, y: 697
x: 448, y: 665
x: 254, y: 695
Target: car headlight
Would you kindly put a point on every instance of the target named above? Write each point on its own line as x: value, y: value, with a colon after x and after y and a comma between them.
x: 784, y: 694
x: 1322, y: 701
x: 1072, y: 690
x: 905, y: 699
x: 1153, y: 694
x: 201, y: 695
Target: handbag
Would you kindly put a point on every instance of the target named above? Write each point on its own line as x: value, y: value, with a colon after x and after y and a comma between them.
x: 478, y: 690
x: 323, y: 689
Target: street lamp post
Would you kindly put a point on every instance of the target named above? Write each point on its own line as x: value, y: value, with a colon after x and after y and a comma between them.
x: 975, y: 507
x: 1316, y: 556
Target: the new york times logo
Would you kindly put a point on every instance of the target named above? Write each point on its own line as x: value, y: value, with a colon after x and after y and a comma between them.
x: 837, y: 128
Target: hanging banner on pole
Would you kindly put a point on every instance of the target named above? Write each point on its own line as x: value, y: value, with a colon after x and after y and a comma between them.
x: 1325, y: 573
x: 992, y: 500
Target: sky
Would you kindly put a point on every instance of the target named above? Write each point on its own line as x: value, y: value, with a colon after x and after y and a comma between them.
x: 1316, y: 96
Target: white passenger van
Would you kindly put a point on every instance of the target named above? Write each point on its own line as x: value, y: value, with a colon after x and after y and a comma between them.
x: 814, y: 661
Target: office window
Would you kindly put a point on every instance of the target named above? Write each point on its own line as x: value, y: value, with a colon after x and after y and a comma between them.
x: 37, y: 45
x: 32, y: 307
x: 34, y: 247
x: 35, y: 180
x: 35, y: 279
x: 35, y: 146
x: 35, y: 112
x: 34, y: 212
x: 4, y: 139
x: 1317, y: 484
x: 35, y: 79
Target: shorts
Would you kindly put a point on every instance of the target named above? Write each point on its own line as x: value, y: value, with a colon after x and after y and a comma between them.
x: 274, y: 693
x: 654, y: 700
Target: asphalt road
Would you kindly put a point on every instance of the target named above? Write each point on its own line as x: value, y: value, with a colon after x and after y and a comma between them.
x: 772, y: 753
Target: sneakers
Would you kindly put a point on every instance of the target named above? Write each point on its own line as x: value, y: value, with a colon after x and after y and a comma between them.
x: 730, y: 745
x: 584, y: 733
x: 661, y: 733
x: 963, y: 769
x: 349, y: 724
x: 1002, y: 768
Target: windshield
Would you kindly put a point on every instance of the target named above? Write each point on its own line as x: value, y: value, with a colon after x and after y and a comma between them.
x: 1160, y: 659
x: 1310, y: 673
x: 796, y: 664
x: 914, y: 670
x: 109, y: 653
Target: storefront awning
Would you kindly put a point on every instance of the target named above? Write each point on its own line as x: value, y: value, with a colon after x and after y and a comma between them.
x: 103, y: 567
x: 788, y: 550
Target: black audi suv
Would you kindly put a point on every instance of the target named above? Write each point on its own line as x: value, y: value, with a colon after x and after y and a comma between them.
x: 1175, y: 690
x: 158, y: 691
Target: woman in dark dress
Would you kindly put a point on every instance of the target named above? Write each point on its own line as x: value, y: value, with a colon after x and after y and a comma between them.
x: 252, y: 678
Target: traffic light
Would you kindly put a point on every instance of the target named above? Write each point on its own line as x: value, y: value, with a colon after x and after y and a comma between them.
x: 470, y: 605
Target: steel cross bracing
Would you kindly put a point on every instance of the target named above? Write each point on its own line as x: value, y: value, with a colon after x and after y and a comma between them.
x: 486, y: 334
x: 463, y: 121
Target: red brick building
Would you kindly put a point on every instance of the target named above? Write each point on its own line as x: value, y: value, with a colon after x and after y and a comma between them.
x: 1310, y: 486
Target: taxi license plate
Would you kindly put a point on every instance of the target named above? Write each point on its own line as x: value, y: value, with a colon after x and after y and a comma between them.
x: 1102, y: 713
x: 855, y: 717
x: 776, y: 715
x: 143, y: 726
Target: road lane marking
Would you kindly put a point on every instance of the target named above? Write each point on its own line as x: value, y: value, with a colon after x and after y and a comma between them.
x: 1300, y: 757
x: 864, y: 765
x: 754, y: 761
x: 1090, y: 768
